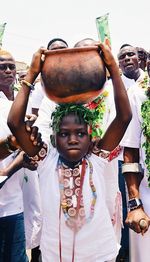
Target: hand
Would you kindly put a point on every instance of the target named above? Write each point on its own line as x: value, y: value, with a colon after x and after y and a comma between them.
x: 13, y: 142
x: 22, y: 160
x: 29, y: 163
x: 106, y: 54
x: 36, y: 65
x: 35, y: 136
x: 29, y: 121
x: 133, y: 220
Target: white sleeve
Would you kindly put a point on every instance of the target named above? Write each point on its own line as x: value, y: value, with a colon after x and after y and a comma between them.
x: 43, y: 121
x: 5, y: 106
x: 37, y: 95
x: 132, y: 137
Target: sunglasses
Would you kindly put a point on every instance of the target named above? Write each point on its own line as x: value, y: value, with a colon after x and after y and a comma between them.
x: 3, y: 67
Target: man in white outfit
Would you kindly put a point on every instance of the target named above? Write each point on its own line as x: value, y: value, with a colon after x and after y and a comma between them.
x: 12, y: 232
x: 135, y: 80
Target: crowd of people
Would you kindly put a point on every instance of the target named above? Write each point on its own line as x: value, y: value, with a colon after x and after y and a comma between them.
x: 75, y: 177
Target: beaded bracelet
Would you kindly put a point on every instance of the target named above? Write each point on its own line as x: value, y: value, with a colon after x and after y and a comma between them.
x: 31, y: 86
x: 41, y: 154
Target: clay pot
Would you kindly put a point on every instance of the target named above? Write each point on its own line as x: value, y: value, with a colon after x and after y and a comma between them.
x: 75, y: 75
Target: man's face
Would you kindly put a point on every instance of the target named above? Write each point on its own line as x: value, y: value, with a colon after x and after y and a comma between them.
x: 128, y: 61
x: 72, y: 140
x: 7, y: 70
x: 142, y: 56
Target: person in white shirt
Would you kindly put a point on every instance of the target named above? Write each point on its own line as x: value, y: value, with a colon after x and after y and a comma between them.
x: 12, y: 232
x: 135, y: 79
x: 95, y: 240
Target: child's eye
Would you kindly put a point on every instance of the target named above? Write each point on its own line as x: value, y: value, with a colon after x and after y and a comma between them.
x: 81, y: 134
x: 63, y: 134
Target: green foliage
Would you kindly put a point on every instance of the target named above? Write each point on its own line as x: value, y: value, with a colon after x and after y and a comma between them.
x: 145, y: 111
x: 79, y: 110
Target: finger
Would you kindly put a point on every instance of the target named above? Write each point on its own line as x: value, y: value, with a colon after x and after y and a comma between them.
x: 13, y: 139
x: 28, y: 125
x: 97, y: 43
x: 133, y: 225
x: 31, y: 117
x: 38, y: 140
x: 102, y: 46
x: 34, y: 132
x: 42, y: 49
x: 143, y: 224
x: 107, y: 42
x: 136, y: 227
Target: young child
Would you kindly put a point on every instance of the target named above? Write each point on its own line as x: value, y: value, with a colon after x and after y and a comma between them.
x: 76, y: 223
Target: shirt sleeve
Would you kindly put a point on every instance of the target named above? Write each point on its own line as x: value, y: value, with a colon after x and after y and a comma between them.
x: 44, y: 121
x: 37, y: 96
x: 132, y: 135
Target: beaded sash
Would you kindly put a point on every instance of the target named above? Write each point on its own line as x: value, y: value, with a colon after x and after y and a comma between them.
x: 70, y: 184
x: 71, y: 198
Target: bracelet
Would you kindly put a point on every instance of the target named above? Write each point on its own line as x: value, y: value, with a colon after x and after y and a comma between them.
x: 134, y: 203
x: 41, y: 154
x: 132, y: 167
x: 31, y: 86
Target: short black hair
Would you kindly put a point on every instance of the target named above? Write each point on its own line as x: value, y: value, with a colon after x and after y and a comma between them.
x: 124, y: 45
x: 54, y: 40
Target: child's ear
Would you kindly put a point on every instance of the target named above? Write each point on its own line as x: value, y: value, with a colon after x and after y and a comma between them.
x: 52, y: 138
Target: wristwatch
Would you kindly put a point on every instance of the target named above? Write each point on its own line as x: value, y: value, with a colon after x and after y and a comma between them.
x: 134, y: 203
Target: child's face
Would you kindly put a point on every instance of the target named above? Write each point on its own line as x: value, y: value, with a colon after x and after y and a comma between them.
x: 72, y: 140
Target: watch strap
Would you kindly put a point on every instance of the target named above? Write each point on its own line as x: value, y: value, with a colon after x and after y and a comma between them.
x: 134, y: 203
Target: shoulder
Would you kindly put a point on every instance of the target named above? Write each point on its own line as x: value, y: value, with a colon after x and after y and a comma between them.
x: 139, y: 95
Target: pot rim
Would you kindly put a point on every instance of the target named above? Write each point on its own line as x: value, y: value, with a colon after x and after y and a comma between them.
x: 71, y: 50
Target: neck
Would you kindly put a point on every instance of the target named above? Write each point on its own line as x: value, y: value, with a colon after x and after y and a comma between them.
x: 133, y: 75
x: 70, y: 164
x: 8, y: 91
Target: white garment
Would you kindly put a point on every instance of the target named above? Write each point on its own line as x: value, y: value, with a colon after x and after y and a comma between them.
x: 15, y: 188
x: 113, y: 199
x: 37, y: 95
x: 96, y: 241
x: 139, y: 245
x: 44, y: 120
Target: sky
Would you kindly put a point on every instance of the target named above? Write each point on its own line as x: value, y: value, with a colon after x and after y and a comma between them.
x: 32, y: 23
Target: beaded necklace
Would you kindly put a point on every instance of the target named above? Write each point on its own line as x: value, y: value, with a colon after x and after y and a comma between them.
x: 71, y: 198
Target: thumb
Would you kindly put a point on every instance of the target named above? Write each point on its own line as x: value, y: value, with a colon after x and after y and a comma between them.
x: 107, y: 42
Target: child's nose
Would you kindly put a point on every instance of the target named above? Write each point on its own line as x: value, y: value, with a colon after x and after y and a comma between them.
x: 73, y: 139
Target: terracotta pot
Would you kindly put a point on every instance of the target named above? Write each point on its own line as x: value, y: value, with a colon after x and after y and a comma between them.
x: 73, y: 75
